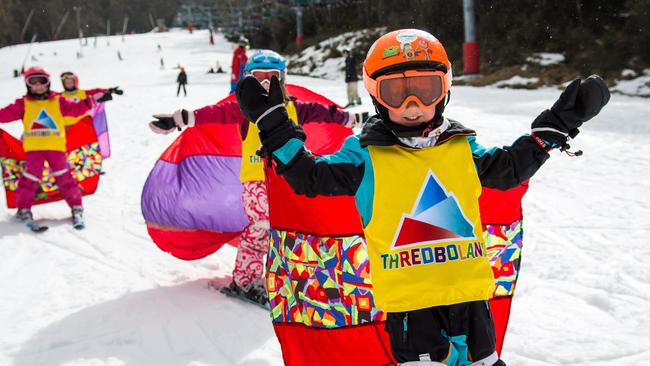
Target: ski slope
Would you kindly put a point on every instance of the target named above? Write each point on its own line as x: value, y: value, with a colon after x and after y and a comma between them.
x: 107, y: 296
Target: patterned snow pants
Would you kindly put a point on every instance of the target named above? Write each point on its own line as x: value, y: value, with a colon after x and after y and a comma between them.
x: 249, y: 265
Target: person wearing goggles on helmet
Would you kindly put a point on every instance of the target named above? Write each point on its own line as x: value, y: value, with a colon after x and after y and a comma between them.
x: 71, y: 90
x: 264, y: 66
x: 45, y: 117
x: 416, y: 177
x: 239, y: 59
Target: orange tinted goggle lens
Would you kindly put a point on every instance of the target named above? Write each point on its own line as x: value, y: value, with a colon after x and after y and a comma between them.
x: 394, y: 91
x: 265, y: 75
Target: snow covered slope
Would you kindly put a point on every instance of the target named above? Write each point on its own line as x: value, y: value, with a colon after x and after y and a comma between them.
x: 108, y: 296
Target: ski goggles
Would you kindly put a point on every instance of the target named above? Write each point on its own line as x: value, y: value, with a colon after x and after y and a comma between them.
x: 265, y: 74
x: 396, y: 91
x: 67, y: 76
x: 35, y: 80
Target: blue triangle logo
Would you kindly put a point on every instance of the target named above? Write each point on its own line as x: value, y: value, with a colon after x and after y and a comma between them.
x: 43, y: 122
x: 436, y: 217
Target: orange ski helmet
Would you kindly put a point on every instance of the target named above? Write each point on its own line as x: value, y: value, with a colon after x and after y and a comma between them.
x: 405, y: 49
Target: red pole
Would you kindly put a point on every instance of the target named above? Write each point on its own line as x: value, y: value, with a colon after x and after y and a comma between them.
x: 300, y: 39
x: 471, y: 58
x: 471, y: 46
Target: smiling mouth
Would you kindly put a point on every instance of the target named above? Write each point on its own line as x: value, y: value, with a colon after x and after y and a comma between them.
x: 412, y: 119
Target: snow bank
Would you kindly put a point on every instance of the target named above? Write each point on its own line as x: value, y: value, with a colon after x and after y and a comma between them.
x: 324, y: 60
x: 546, y: 59
x: 639, y: 86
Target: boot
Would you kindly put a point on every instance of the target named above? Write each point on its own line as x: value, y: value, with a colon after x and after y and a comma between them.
x: 24, y: 215
x: 77, y: 217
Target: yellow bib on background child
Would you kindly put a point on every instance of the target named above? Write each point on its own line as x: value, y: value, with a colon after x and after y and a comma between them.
x: 251, y: 164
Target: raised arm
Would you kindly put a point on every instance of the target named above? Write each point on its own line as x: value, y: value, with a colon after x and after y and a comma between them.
x: 505, y: 168
x: 223, y: 113
x: 509, y: 166
x: 13, y: 111
x: 70, y: 108
x: 318, y: 112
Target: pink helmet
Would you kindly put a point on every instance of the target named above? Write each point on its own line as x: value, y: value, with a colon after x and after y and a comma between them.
x: 34, y: 72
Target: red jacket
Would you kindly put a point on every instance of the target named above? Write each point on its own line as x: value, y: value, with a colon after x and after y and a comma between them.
x: 239, y: 60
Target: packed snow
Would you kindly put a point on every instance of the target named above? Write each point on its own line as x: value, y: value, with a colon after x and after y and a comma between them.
x: 107, y: 296
x: 639, y: 85
x: 546, y: 58
x: 516, y: 81
x: 317, y: 61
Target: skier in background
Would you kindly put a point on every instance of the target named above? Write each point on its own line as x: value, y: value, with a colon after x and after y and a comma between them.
x: 351, y: 78
x: 181, y: 79
x: 239, y: 60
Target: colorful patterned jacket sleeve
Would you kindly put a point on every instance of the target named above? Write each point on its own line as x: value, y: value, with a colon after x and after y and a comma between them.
x: 13, y: 112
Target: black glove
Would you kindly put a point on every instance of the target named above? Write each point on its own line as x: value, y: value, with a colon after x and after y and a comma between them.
x: 579, y: 102
x: 116, y: 90
x: 267, y: 111
x: 165, y: 123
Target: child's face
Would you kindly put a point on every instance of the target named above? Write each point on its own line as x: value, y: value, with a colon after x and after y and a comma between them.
x: 413, y: 115
x: 68, y: 83
x: 38, y: 88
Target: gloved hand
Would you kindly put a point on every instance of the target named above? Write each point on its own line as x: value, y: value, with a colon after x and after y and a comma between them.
x: 579, y: 102
x: 116, y: 90
x: 166, y: 123
x: 267, y: 111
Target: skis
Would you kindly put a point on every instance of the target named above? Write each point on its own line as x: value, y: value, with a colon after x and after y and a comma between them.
x: 238, y: 295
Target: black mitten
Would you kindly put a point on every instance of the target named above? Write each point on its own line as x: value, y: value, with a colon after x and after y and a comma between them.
x: 164, y: 124
x: 116, y: 90
x: 267, y: 111
x: 579, y: 102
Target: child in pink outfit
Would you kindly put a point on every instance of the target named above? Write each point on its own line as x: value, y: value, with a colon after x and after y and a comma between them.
x: 43, y: 114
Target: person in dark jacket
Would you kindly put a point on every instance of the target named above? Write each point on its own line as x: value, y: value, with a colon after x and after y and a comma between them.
x: 416, y: 177
x: 351, y: 78
x: 181, y: 79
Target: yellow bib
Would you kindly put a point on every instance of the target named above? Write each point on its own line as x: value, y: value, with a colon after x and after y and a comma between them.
x: 44, y: 125
x: 77, y: 95
x: 425, y: 238
x: 252, y: 168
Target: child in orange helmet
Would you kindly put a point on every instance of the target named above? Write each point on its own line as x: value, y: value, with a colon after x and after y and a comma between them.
x: 416, y: 177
